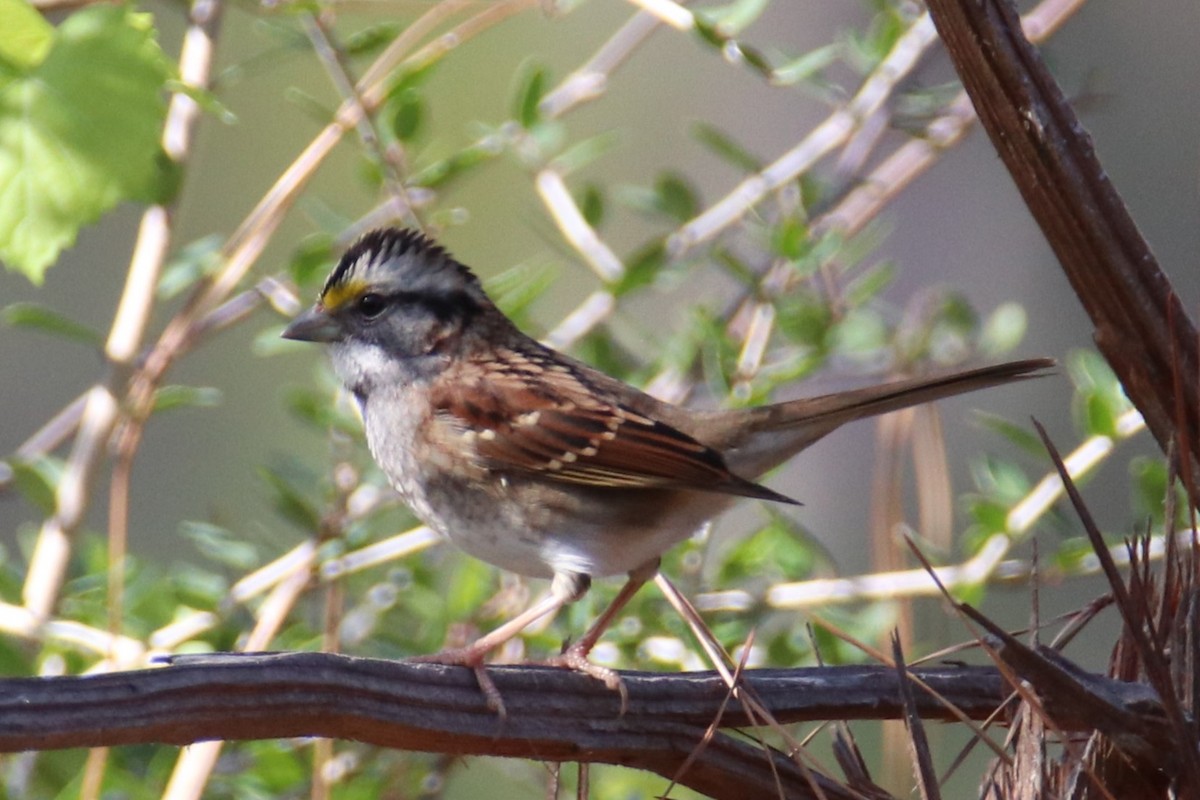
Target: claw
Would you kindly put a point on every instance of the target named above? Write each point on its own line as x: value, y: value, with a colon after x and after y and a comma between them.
x: 575, y: 658
x: 471, y: 657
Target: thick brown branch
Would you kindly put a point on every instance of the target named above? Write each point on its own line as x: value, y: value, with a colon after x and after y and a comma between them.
x: 553, y: 714
x: 1140, y: 325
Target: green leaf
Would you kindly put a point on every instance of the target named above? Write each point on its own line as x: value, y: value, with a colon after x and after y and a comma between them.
x: 1019, y: 435
x: 804, y: 318
x: 591, y: 204
x: 320, y: 410
x: 584, y: 152
x: 441, y: 172
x: 168, y: 398
x: 733, y: 18
x: 47, y: 320
x: 778, y: 552
x: 79, y: 133
x: 515, y: 289
x: 709, y: 32
x: 1001, y: 480
x: 25, y: 36
x: 1003, y: 329
x: 676, y: 197
x: 806, y: 66
x: 1150, y: 487
x: 861, y: 332
x: 371, y: 38
x: 756, y: 59
x: 672, y: 196
x: 1072, y: 553
x: 790, y: 238
x: 1098, y: 416
x: 642, y: 268
x: 220, y: 544
x: 990, y: 515
x: 36, y: 480
x: 471, y: 583
x: 193, y: 262
x: 868, y: 285
x: 724, y: 146
x: 408, y: 115
x: 530, y: 89
x: 1093, y: 377
x: 207, y: 100
x: 296, y: 493
x: 312, y: 258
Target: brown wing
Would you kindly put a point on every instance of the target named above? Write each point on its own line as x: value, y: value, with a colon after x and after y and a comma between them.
x: 533, y: 414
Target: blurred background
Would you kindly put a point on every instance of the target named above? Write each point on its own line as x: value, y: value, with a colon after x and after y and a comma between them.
x: 1131, y: 67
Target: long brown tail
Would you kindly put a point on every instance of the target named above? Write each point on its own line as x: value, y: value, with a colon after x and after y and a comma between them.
x: 841, y: 407
x: 784, y: 429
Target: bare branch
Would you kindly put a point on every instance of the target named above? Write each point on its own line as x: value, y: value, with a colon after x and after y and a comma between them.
x: 1140, y: 325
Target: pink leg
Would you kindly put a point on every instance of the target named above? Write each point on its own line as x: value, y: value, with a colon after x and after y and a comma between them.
x: 576, y: 655
x: 566, y: 588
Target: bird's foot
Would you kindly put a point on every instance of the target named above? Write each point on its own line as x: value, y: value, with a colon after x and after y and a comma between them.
x: 472, y: 657
x: 575, y: 657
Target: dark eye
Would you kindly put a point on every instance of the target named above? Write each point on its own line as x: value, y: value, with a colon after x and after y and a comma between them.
x: 371, y: 305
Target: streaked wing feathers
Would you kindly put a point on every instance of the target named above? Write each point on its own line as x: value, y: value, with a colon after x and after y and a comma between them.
x: 537, y: 415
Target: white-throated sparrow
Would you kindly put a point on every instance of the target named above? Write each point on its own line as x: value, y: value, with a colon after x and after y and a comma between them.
x: 535, y: 462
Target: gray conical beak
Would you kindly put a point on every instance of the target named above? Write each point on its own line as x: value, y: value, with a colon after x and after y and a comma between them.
x: 313, y: 325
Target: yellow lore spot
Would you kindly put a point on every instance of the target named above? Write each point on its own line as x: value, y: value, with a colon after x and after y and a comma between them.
x: 338, y: 295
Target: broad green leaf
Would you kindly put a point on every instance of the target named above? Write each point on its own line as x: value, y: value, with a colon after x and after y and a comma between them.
x: 42, y: 318
x: 25, y: 36
x: 79, y: 133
